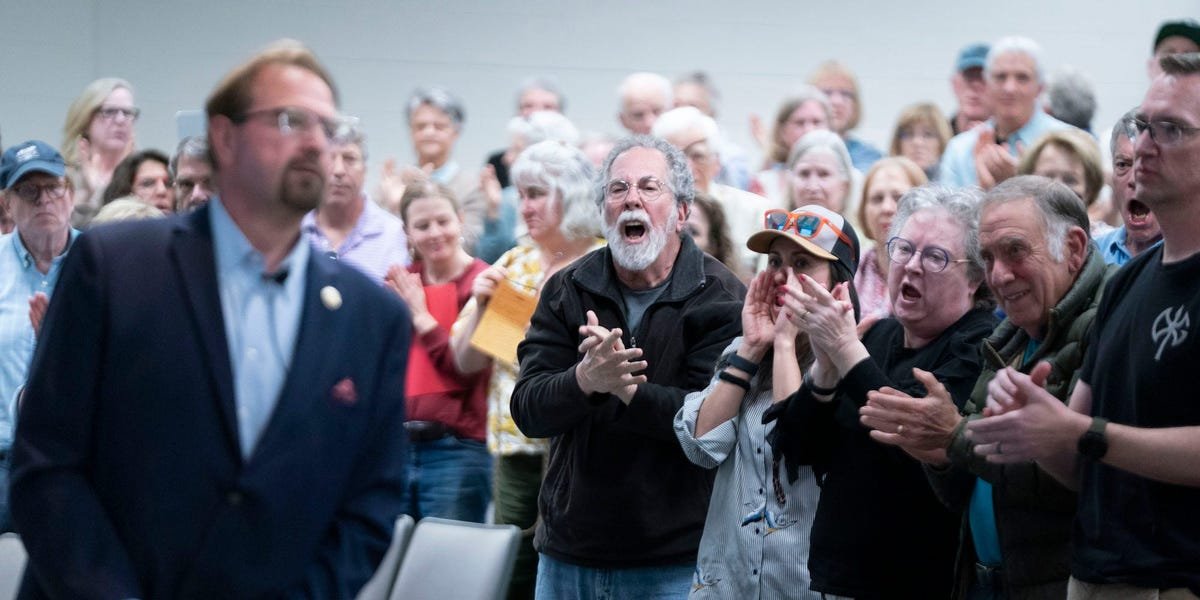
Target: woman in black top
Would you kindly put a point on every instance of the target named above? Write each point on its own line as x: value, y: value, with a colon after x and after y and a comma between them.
x: 880, y: 532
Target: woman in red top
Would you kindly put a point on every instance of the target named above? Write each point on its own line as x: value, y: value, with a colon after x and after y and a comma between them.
x: 449, y: 473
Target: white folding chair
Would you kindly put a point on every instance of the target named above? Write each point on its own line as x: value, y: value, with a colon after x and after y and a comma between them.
x: 380, y: 584
x: 12, y: 564
x: 459, y: 560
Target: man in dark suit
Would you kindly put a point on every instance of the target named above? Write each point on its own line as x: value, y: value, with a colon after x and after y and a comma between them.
x: 213, y: 410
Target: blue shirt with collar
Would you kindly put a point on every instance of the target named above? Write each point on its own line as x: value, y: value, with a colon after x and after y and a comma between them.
x: 262, y: 313
x: 19, y: 281
x: 958, y: 161
x: 1112, y: 247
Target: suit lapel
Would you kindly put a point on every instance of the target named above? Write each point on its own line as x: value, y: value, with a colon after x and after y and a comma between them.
x: 195, y: 265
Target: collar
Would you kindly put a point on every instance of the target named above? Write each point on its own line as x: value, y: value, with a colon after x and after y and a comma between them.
x: 1028, y: 133
x: 445, y: 173
x: 233, y: 251
x: 25, y: 257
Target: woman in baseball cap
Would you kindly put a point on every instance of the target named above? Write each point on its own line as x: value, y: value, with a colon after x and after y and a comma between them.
x: 721, y: 426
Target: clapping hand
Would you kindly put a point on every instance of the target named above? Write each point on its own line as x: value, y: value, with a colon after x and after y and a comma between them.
x: 923, y: 427
x: 409, y: 288
x: 757, y: 327
x: 607, y: 366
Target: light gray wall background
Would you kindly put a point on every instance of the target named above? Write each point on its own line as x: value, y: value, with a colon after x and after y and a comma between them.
x: 174, y: 52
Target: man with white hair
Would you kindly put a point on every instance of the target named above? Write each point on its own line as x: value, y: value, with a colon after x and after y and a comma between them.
x: 643, y: 96
x: 621, y: 508
x: 987, y: 154
x: 697, y: 136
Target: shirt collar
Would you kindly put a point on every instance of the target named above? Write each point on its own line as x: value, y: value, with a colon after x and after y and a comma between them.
x: 234, y: 252
x: 26, y: 257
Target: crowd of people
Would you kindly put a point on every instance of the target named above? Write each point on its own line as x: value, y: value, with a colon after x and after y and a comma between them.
x: 952, y: 368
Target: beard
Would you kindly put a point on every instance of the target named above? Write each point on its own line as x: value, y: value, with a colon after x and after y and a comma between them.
x: 637, y: 257
x: 303, y: 185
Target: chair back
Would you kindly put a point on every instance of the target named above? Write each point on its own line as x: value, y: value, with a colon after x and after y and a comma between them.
x: 455, y: 559
x: 380, y: 584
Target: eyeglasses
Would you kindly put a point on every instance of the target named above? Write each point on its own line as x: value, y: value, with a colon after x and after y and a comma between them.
x: 110, y: 113
x: 1164, y: 132
x: 933, y: 259
x: 185, y: 186
x: 806, y: 225
x: 291, y: 120
x: 917, y: 134
x: 30, y: 192
x: 649, y: 189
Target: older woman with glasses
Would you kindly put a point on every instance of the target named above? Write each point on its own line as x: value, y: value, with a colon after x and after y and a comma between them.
x: 880, y: 532
x: 97, y: 136
x: 756, y: 534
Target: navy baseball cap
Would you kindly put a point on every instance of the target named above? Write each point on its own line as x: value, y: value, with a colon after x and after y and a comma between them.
x: 973, y: 56
x: 28, y: 157
x: 1189, y: 29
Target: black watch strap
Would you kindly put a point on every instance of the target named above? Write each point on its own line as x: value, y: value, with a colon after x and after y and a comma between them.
x: 1093, y: 444
x: 742, y: 364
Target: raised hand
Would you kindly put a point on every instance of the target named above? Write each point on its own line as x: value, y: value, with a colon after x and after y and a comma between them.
x: 38, y: 303
x: 485, y: 284
x: 409, y: 288
x: 1027, y: 422
x: 758, y: 330
x: 923, y: 427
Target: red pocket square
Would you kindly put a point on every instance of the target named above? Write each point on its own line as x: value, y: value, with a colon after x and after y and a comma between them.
x: 344, y: 392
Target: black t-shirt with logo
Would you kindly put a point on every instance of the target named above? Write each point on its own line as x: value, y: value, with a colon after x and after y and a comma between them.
x: 1143, y: 368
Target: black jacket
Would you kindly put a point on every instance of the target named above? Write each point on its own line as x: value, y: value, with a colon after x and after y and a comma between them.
x: 619, y: 491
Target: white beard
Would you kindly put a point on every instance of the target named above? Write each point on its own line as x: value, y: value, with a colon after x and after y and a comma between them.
x: 637, y: 257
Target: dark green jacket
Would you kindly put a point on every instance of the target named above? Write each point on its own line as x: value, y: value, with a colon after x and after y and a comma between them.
x: 1034, y: 511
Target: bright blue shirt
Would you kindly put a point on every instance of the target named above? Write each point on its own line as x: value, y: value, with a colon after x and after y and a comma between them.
x: 958, y: 161
x: 862, y: 154
x: 19, y: 280
x: 1112, y: 247
x: 262, y: 318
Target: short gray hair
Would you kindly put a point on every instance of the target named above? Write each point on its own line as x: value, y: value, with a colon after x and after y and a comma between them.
x: 645, y: 79
x: 678, y: 172
x: 683, y: 118
x: 544, y: 83
x: 564, y: 168
x: 962, y: 204
x: 1123, y: 129
x: 441, y: 99
x: 1020, y: 45
x: 352, y: 134
x: 1072, y: 97
x: 1058, y: 206
x: 192, y: 146
x: 824, y: 140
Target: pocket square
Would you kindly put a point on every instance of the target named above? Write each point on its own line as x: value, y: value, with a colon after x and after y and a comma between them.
x: 344, y: 392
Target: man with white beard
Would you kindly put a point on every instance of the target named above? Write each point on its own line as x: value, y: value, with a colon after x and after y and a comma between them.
x: 617, y: 340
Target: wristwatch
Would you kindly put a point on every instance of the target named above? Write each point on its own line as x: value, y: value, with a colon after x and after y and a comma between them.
x: 1093, y: 444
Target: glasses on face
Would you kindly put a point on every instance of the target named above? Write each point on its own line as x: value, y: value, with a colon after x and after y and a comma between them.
x: 1164, y: 132
x: 649, y: 189
x: 185, y: 186
x: 30, y: 192
x: 917, y: 134
x: 933, y: 259
x: 110, y: 113
x: 806, y: 225
x: 291, y: 121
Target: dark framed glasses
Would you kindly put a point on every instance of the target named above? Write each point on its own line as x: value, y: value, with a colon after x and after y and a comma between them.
x: 933, y: 259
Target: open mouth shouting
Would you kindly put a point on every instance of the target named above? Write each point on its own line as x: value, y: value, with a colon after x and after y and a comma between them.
x: 634, y: 226
x: 1138, y: 213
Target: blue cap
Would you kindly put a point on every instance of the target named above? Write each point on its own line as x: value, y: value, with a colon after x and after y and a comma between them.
x: 1188, y: 28
x: 28, y: 157
x: 973, y: 56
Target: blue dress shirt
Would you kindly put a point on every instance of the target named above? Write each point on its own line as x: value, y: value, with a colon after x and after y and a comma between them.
x: 958, y: 161
x: 262, y: 318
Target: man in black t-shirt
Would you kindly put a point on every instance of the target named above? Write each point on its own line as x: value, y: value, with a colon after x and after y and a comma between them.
x: 1131, y: 441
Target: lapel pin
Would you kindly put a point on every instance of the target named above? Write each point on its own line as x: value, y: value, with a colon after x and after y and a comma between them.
x: 344, y: 391
x: 331, y: 298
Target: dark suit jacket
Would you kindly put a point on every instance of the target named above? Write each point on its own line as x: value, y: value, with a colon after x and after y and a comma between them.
x: 127, y: 476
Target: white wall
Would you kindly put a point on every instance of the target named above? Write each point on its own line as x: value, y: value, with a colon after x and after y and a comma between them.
x: 903, y: 52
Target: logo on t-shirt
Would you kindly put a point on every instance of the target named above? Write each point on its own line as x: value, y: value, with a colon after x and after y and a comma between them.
x: 1170, y: 327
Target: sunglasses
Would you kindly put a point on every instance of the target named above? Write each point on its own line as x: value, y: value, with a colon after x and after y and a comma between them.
x: 806, y: 225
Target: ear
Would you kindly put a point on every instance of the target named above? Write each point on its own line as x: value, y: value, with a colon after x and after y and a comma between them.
x: 220, y: 139
x: 1076, y: 248
x: 683, y: 210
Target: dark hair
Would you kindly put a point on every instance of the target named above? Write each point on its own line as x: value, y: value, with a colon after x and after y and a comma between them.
x: 720, y: 243
x: 121, y: 184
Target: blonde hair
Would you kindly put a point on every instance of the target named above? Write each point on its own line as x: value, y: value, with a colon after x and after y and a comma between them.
x: 922, y: 113
x: 128, y: 208
x: 1078, y: 144
x: 79, y: 115
x: 914, y: 173
x: 832, y: 68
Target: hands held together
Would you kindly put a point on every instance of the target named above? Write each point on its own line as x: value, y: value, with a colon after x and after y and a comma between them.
x: 607, y: 366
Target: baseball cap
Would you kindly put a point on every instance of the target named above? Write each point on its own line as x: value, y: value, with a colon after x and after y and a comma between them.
x: 973, y: 56
x: 27, y: 157
x: 820, y: 231
x: 1189, y: 29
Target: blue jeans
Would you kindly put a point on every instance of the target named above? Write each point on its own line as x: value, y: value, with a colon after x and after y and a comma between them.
x: 557, y: 580
x: 449, y: 478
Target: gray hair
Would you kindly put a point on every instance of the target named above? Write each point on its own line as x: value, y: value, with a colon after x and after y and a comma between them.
x: 826, y: 141
x: 1072, y: 97
x: 353, y: 133
x: 192, y: 146
x: 683, y: 118
x: 564, y: 168
x: 548, y: 125
x: 962, y: 204
x: 702, y: 79
x: 678, y: 172
x: 544, y: 83
x: 1123, y: 129
x: 1187, y: 63
x: 441, y: 99
x: 1021, y: 45
x: 1059, y: 207
x: 644, y: 79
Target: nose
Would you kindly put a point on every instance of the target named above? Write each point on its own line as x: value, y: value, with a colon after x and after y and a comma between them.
x: 913, y: 264
x: 1143, y: 144
x: 999, y: 274
x: 200, y: 192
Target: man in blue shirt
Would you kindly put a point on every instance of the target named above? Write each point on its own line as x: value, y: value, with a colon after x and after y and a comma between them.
x: 39, y: 198
x: 1140, y: 230
x: 987, y: 154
